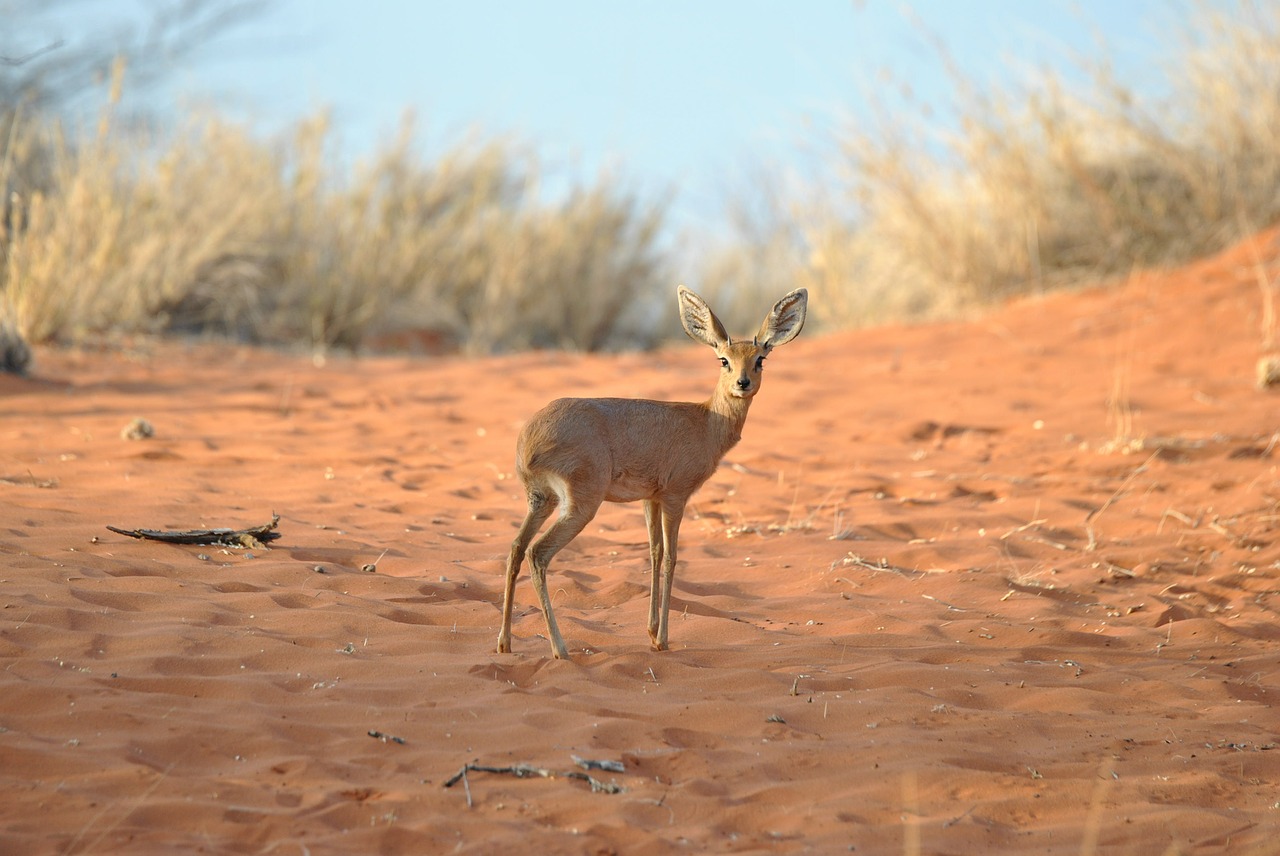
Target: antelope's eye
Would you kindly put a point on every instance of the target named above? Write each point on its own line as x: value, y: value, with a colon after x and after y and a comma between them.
x: 759, y: 363
x: 724, y: 361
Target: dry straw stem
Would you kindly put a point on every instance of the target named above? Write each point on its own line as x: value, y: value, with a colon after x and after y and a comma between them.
x: 1092, y: 517
x: 1268, y: 286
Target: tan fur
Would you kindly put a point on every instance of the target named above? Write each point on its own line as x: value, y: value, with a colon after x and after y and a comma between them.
x: 576, y: 453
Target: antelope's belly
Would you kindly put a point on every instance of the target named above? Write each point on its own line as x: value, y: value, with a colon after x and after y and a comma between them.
x: 629, y: 487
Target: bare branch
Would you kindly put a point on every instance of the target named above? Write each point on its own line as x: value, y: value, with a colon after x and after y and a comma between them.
x: 26, y: 58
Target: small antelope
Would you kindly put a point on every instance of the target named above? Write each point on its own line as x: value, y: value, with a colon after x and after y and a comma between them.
x: 576, y: 453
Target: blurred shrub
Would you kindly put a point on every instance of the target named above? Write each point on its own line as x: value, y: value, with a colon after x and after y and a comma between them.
x: 1037, y: 185
x: 1028, y: 186
x: 213, y: 230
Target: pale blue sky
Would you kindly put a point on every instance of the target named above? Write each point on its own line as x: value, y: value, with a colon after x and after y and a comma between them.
x: 676, y: 95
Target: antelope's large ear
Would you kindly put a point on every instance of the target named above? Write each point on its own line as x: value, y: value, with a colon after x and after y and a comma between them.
x: 699, y: 321
x: 784, y: 321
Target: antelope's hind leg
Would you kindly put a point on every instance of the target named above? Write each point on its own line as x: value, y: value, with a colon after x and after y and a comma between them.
x: 540, y: 508
x: 653, y: 522
x: 574, y: 517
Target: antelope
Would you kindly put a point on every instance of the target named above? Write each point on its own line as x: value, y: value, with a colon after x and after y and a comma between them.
x: 576, y: 453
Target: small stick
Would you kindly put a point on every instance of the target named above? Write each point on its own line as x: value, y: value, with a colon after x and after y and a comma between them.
x: 386, y: 737
x: 953, y: 821
x: 525, y: 771
x: 882, y: 565
x: 1097, y: 512
x: 1023, y: 528
x: 593, y: 764
x: 951, y: 606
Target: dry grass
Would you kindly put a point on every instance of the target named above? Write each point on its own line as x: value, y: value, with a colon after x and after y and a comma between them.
x: 212, y: 230
x: 1026, y: 186
x: 1037, y: 184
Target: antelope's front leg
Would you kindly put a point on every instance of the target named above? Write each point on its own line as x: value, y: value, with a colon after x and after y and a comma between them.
x: 671, y: 517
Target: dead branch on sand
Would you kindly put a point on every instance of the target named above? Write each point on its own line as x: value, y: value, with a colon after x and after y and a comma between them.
x: 528, y: 771
x: 254, y: 537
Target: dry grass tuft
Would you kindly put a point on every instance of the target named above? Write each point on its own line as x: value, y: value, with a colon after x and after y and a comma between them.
x: 214, y: 231
x: 1038, y: 185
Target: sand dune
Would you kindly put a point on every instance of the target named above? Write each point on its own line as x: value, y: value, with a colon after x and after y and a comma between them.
x: 1002, y: 585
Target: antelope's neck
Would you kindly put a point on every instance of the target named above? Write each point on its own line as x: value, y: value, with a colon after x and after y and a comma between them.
x: 725, y: 417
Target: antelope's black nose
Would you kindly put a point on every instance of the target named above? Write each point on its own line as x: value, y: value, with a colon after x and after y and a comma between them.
x: 744, y: 383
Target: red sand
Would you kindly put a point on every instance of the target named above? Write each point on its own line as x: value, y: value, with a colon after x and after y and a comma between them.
x: 938, y: 600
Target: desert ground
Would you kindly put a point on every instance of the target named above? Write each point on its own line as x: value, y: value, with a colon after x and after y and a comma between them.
x: 1006, y: 584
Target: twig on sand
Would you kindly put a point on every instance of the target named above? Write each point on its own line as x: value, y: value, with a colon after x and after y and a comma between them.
x: 529, y: 771
x: 118, y: 815
x: 1092, y: 516
x: 593, y: 764
x: 882, y: 565
x: 253, y: 537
